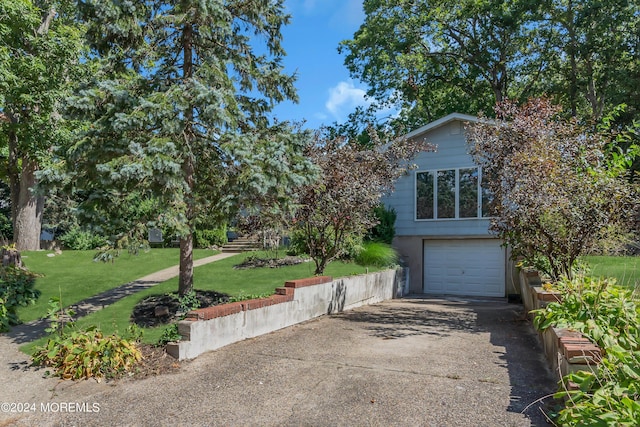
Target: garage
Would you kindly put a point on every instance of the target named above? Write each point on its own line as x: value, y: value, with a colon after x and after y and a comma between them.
x: 473, y: 267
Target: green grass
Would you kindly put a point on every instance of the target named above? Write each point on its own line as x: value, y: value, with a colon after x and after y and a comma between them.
x: 625, y: 269
x: 219, y: 276
x: 74, y: 276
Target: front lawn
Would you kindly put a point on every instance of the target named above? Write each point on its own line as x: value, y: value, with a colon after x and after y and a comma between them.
x: 74, y: 276
x: 625, y: 269
x: 219, y: 276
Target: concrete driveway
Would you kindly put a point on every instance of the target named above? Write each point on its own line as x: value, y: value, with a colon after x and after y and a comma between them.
x: 422, y: 362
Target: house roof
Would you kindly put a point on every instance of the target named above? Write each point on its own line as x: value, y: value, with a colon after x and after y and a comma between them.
x: 442, y: 121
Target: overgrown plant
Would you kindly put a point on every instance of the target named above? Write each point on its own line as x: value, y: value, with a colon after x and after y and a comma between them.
x: 377, y: 254
x: 384, y: 231
x: 556, y: 184
x: 187, y: 302
x: 84, y: 353
x: 608, y: 394
x: 16, y: 290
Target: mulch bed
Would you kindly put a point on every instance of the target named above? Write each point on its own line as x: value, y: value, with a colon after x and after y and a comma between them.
x: 145, y: 313
x: 155, y: 361
x: 255, y: 262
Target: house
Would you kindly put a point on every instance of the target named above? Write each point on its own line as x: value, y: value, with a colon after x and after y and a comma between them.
x: 442, y: 224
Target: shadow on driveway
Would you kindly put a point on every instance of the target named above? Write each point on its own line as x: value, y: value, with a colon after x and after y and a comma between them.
x: 513, y: 341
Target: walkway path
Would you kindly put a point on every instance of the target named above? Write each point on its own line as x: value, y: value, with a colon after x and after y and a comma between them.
x: 30, y: 331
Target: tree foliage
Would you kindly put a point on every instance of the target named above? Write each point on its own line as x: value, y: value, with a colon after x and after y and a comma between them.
x: 438, y: 57
x: 352, y: 180
x: 557, y: 184
x: 177, y: 112
x: 40, y: 46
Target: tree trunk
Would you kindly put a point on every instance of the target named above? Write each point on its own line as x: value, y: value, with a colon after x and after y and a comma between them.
x: 11, y: 257
x: 185, y: 282
x: 13, y: 172
x: 28, y: 210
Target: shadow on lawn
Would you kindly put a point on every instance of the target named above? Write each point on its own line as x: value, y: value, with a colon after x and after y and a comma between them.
x: 30, y: 331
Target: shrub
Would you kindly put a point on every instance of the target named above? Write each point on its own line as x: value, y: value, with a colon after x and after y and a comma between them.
x: 210, y: 237
x: 16, y: 290
x: 550, y: 181
x: 608, y: 315
x: 385, y: 230
x: 79, y: 240
x: 85, y: 353
x: 377, y: 254
x: 350, y: 246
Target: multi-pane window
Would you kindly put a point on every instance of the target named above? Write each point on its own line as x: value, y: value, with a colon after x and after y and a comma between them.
x: 451, y: 193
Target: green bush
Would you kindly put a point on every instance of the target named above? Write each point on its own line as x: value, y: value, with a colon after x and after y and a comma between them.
x: 210, y: 237
x: 608, y: 315
x: 351, y: 245
x: 297, y: 243
x: 87, y: 353
x: 385, y: 230
x: 377, y: 254
x: 16, y: 290
x: 84, y: 353
x: 79, y: 240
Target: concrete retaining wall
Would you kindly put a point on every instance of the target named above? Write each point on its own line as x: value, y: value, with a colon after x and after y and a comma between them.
x: 299, y: 300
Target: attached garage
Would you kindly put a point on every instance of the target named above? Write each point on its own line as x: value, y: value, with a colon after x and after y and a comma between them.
x: 473, y: 267
x: 443, y: 218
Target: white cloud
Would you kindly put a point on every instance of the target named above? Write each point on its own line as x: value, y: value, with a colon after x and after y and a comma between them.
x: 344, y: 98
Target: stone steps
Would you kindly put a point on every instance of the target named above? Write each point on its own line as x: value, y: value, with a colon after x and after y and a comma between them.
x: 242, y: 244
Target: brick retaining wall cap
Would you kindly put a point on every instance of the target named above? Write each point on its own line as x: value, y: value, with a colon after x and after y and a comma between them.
x: 309, y: 281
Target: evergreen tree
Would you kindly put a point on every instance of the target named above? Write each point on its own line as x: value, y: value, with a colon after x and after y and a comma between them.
x: 178, y: 111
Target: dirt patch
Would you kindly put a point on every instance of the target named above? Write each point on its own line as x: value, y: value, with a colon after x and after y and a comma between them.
x: 155, y: 361
x: 255, y: 262
x: 163, y: 309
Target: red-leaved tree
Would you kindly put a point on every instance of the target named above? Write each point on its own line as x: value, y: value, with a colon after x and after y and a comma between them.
x: 353, y: 179
x: 558, y: 184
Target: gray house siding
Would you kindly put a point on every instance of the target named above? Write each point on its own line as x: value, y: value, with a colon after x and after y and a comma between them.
x: 452, y: 152
x: 412, y: 233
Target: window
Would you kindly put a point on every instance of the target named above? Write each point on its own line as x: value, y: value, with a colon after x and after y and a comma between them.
x: 451, y: 193
x: 424, y: 191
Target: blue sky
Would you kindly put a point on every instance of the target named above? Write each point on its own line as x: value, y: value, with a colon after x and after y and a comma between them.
x: 326, y: 92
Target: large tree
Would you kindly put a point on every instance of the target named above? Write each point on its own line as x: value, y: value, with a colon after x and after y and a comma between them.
x: 558, y: 185
x: 39, y: 50
x: 592, y: 48
x: 178, y: 110
x: 437, y: 57
x: 432, y: 58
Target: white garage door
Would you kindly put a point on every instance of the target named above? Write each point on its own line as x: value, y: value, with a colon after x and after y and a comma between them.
x: 464, y: 267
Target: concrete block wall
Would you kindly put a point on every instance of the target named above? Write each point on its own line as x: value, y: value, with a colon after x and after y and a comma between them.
x: 299, y: 300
